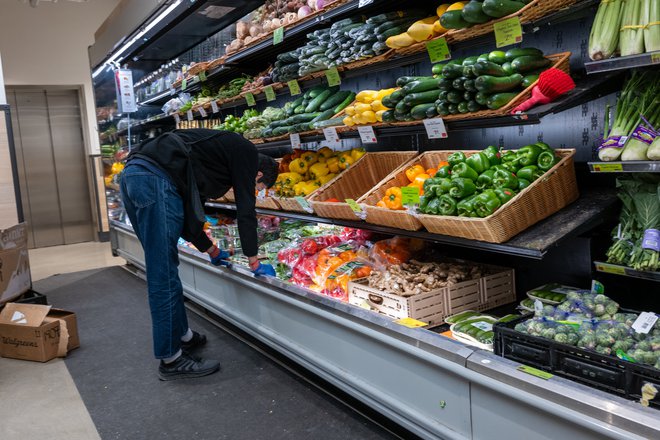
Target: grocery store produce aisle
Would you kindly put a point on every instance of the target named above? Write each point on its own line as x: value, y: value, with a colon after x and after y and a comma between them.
x: 115, y: 373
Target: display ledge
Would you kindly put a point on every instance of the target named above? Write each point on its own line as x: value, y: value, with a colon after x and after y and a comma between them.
x: 623, y: 63
x: 585, y: 213
x: 625, y: 271
x: 636, y: 166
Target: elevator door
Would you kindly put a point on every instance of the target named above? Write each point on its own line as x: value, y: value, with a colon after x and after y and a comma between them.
x: 52, y: 168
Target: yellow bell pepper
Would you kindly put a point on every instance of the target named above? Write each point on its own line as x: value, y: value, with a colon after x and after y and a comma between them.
x: 108, y: 180
x: 291, y: 179
x: 333, y: 164
x: 298, y: 188
x: 310, y: 157
x: 412, y: 172
x: 309, y: 187
x: 357, y: 153
x: 393, y: 199
x: 298, y: 166
x: 326, y: 152
x: 318, y: 170
x: 325, y: 179
x: 117, y: 167
x: 345, y: 161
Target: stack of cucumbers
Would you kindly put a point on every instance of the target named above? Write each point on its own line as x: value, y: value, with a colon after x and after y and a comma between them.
x: 311, y: 110
x: 488, y: 81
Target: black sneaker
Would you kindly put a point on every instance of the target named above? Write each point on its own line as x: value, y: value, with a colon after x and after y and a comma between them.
x: 196, y: 341
x: 187, y: 366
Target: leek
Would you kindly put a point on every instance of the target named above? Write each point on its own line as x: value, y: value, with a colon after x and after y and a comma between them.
x: 646, y: 121
x: 604, y: 37
x: 651, y: 21
x: 631, y: 38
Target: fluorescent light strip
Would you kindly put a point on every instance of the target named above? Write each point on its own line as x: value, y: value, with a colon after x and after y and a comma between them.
x: 154, y: 22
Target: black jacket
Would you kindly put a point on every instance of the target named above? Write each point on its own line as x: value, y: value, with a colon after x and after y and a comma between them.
x: 205, y: 164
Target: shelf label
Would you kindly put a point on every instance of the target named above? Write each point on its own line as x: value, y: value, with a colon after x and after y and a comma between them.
x: 409, y: 195
x: 214, y: 107
x: 363, y: 3
x: 354, y: 206
x: 535, y: 372
x: 202, y: 76
x: 645, y: 322
x: 295, y: 140
x: 655, y: 58
x: 507, y: 32
x: 184, y: 84
x: 278, y: 35
x: 294, y: 87
x: 177, y: 119
x: 270, y: 93
x: 201, y: 111
x: 249, y: 98
x: 367, y: 134
x: 435, y: 128
x: 330, y: 134
x: 610, y: 268
x: 438, y: 50
x: 172, y: 91
x: 608, y: 167
x: 304, y: 204
x: 410, y: 323
x: 189, y: 115
x: 332, y: 75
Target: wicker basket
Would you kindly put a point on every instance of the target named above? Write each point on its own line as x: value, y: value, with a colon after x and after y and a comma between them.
x: 355, y: 182
x: 216, y: 62
x: 197, y: 68
x: 265, y: 203
x: 545, y: 196
x: 229, y: 196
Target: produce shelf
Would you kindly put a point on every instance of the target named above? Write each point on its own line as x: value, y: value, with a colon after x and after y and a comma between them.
x: 585, y: 213
x: 625, y: 271
x: 637, y: 166
x: 623, y: 63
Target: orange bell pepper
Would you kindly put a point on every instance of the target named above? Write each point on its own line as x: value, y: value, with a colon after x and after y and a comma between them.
x: 413, y: 171
x: 443, y: 163
x: 381, y: 203
x: 420, y: 179
x: 431, y: 171
x: 391, y: 251
x: 393, y: 198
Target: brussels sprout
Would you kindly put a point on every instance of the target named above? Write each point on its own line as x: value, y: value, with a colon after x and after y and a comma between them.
x: 606, y: 317
x: 619, y: 317
x: 564, y: 307
x: 548, y: 310
x: 587, y: 341
x: 572, y: 338
x: 650, y: 357
x: 572, y: 296
x: 600, y: 299
x: 548, y: 333
x: 657, y: 364
x: 622, y: 345
x: 603, y: 350
x: 644, y: 345
x: 611, y: 308
x: 561, y: 338
x: 605, y: 340
x: 521, y: 327
x: 655, y: 343
x: 589, y: 304
x: 599, y: 310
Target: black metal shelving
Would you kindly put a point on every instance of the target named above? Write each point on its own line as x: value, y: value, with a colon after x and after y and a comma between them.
x: 625, y: 271
x: 623, y: 63
x: 637, y: 166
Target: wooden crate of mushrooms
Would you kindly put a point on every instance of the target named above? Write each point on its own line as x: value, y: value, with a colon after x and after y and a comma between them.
x: 430, y: 291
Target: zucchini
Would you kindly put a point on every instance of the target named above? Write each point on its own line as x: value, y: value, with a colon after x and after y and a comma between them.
x: 527, y: 63
x: 329, y: 122
x: 473, y: 13
x: 279, y: 131
x: 468, y: 85
x: 468, y: 96
x: 493, y: 84
x: 266, y: 132
x: 436, y: 69
x: 463, y: 107
x: 445, y: 84
x: 305, y: 117
x: 453, y: 109
x: 488, y: 68
x: 457, y: 84
x: 388, y: 116
x: 512, y: 54
x: 483, y: 57
x: 528, y: 80
x: 454, y: 97
x: 497, y: 57
x: 431, y: 111
x: 414, y: 99
x: 508, y: 68
x: 499, y: 100
x: 390, y: 24
x: 453, y: 20
x: 314, y: 92
x: 468, y: 71
x: 396, y: 30
x: 418, y: 112
x: 326, y: 114
x: 402, y: 107
x: 400, y: 117
x: 469, y: 61
x: 294, y: 105
x: 473, y: 106
x: 345, y: 103
x: 442, y: 97
x: 387, y: 102
x: 315, y: 103
x: 334, y: 100
x: 501, y: 8
x: 402, y: 81
x: 481, y: 98
x: 442, y: 109
x: 396, y: 96
x: 421, y: 86
x: 451, y: 71
x: 382, y: 18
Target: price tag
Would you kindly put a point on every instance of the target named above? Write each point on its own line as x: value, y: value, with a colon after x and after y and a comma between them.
x: 367, y: 134
x: 330, y: 134
x: 535, y: 372
x: 270, y: 93
x: 249, y: 98
x: 177, y: 119
x: 201, y: 111
x: 332, y: 75
x: 261, y: 194
x: 304, y: 204
x: 278, y: 35
x: 608, y: 167
x: 435, y: 128
x: 294, y: 87
x: 189, y: 115
x: 202, y: 75
x: 409, y: 195
x: 655, y: 58
x: 184, y: 84
x: 411, y: 323
x: 354, y: 206
x: 214, y: 107
x: 538, y: 306
x: 438, y: 50
x: 508, y: 32
x: 645, y: 322
x: 295, y: 140
x: 172, y: 91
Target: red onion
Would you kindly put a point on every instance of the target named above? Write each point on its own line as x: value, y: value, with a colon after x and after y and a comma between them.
x: 304, y: 11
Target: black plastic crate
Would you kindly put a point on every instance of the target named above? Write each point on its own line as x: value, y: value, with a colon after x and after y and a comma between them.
x: 607, y: 373
x: 32, y: 297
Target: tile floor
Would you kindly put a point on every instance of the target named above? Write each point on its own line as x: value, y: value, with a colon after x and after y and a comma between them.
x: 45, y: 402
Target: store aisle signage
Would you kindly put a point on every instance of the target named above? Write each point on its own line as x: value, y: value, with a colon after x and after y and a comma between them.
x: 249, y: 98
x: 508, y: 32
x: 270, y: 93
x: 438, y: 50
x: 294, y: 87
x: 333, y: 77
x: 278, y: 35
x: 125, y: 95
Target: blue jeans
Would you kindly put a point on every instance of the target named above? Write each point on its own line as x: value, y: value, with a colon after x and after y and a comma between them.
x: 156, y: 213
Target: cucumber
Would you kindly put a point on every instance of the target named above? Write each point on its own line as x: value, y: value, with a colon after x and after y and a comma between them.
x: 387, y: 101
x: 396, y: 30
x: 512, y: 54
x: 294, y: 104
x: 497, y: 57
x: 463, y: 107
x: 329, y: 123
x: 334, y: 100
x: 527, y: 63
x: 414, y: 99
x: 468, y: 96
x: 488, y: 68
x: 445, y: 84
x: 483, y: 57
x: 469, y: 61
x: 402, y: 107
x: 382, y: 18
x: 314, y: 92
x: 457, y: 84
x: 326, y: 114
x: 418, y: 112
x: 305, y: 117
x: 300, y: 108
x: 493, y: 84
x: 454, y: 97
x: 499, y: 100
x: 431, y: 111
x: 421, y: 86
x: 473, y: 13
x: 345, y: 103
x: 481, y: 98
x: 528, y: 80
x: 279, y: 131
x: 400, y: 116
x: 508, y: 68
x: 468, y: 85
x: 451, y: 71
x: 501, y: 8
x: 473, y: 106
x: 402, y: 81
x: 437, y: 69
x: 388, y: 116
x: 389, y: 25
x: 315, y: 103
x: 267, y: 132
x: 442, y: 109
x: 453, y: 20
x: 442, y: 97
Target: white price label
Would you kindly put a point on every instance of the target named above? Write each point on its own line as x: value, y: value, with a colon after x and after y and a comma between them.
x: 202, y: 112
x: 435, y: 128
x: 367, y: 134
x: 363, y: 3
x: 261, y: 194
x: 330, y: 134
x: 189, y: 115
x: 645, y: 322
x: 172, y: 91
x: 304, y: 204
x: 295, y: 140
x: 214, y: 107
x: 483, y: 325
x: 538, y: 306
x: 177, y: 119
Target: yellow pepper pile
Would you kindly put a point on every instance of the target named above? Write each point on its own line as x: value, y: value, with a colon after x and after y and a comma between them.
x: 368, y: 108
x: 309, y: 170
x: 117, y: 167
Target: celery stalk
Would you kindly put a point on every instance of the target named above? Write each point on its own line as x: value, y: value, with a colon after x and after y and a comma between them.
x: 652, y: 25
x: 631, y: 38
x: 604, y: 37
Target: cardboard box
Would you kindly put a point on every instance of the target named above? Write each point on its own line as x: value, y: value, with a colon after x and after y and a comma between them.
x: 14, y: 263
x: 36, y: 332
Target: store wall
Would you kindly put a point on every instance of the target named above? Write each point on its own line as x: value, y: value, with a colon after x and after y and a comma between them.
x: 47, y: 45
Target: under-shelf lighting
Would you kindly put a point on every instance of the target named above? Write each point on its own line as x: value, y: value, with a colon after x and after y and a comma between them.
x: 116, y: 56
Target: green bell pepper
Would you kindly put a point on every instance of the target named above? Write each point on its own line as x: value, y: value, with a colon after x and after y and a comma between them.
x: 486, y: 203
x: 444, y: 172
x: 529, y: 154
x: 493, y: 155
x: 485, y: 179
x: 544, y: 146
x: 522, y: 184
x: 428, y: 183
x: 529, y: 173
x: 511, y: 161
x: 463, y: 170
x: 504, y: 194
x: 433, y: 206
x: 443, y: 187
x: 461, y: 188
x: 547, y: 160
x: 456, y: 158
x: 447, y: 205
x: 423, y: 202
x: 478, y: 162
x: 505, y: 179
x: 465, y: 207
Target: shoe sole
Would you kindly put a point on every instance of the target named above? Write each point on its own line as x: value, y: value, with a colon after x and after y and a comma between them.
x: 189, y: 375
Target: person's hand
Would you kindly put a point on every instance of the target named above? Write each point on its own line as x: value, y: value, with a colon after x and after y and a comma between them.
x: 264, y: 269
x: 219, y: 257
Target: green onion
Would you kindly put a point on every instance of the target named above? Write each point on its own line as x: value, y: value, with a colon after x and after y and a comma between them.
x: 604, y: 37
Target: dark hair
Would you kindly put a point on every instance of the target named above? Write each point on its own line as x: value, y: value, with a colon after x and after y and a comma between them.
x: 268, y: 168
